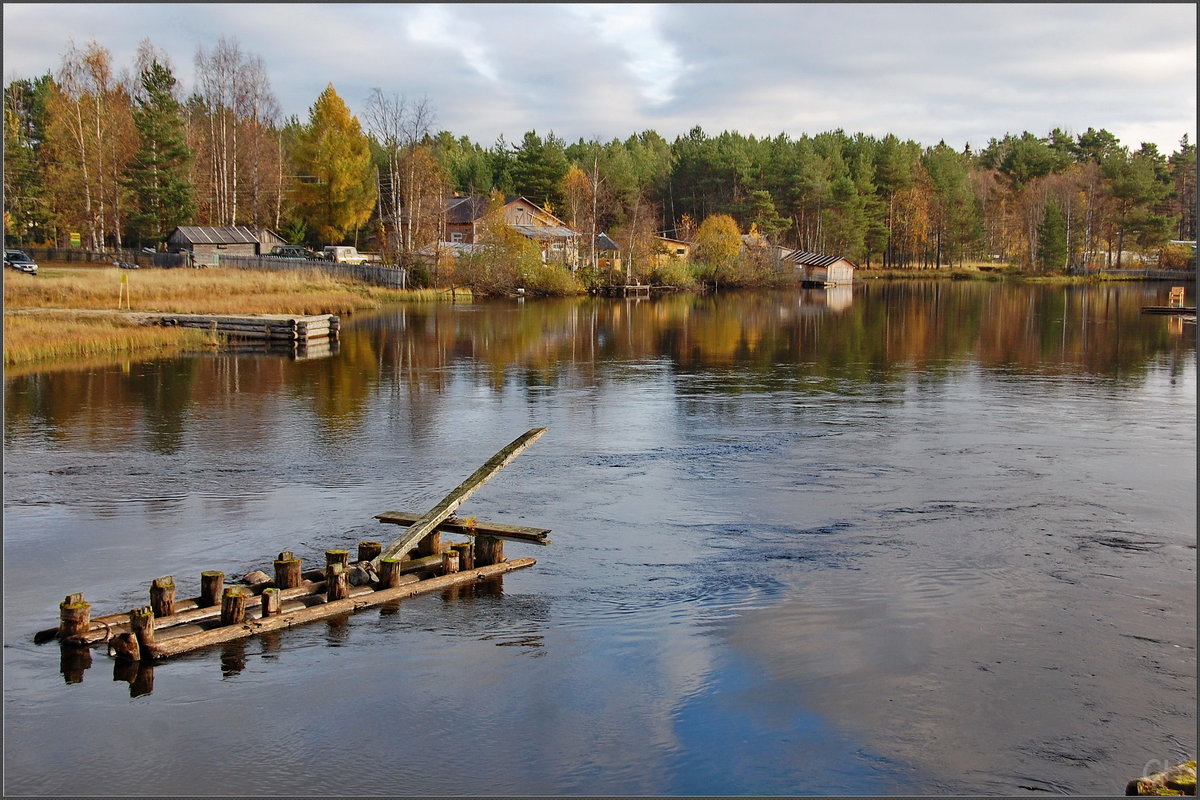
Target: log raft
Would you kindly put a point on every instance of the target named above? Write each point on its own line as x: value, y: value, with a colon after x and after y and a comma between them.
x: 415, y: 563
x: 271, y: 327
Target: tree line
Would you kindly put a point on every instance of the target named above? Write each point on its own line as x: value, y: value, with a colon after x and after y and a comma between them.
x: 121, y: 158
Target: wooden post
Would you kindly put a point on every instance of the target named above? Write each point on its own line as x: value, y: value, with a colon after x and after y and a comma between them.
x: 488, y: 551
x: 449, y: 562
x: 233, y: 605
x: 211, y: 585
x: 466, y: 558
x: 448, y: 504
x: 389, y: 573
x: 141, y: 625
x: 287, y: 571
x: 162, y: 596
x: 74, y: 616
x: 430, y: 545
x: 369, y: 551
x: 271, y: 601
x: 125, y: 647
x: 337, y: 557
x: 337, y: 581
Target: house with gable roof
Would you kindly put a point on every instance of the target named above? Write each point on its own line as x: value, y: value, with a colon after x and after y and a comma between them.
x: 559, y: 243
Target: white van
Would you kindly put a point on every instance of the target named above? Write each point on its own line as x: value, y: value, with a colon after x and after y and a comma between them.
x: 344, y: 254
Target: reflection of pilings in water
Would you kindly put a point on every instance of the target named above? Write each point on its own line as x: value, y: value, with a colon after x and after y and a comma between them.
x: 138, y: 674
x: 74, y: 659
x: 233, y: 658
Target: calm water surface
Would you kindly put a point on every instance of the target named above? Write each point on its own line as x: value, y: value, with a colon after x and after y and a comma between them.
x: 920, y: 538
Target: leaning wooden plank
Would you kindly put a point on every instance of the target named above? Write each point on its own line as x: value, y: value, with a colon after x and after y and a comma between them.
x: 428, y: 523
x: 498, y: 530
x: 228, y: 633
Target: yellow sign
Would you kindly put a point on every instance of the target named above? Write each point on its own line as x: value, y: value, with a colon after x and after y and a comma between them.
x: 76, y: 240
x: 124, y: 278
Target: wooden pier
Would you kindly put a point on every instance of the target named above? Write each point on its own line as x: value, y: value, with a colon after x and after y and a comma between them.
x: 416, y: 563
x: 269, y: 327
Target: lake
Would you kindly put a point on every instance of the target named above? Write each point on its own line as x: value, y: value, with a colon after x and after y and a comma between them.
x: 914, y: 538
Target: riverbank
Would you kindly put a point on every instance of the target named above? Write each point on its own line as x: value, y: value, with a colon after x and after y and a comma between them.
x: 36, y: 329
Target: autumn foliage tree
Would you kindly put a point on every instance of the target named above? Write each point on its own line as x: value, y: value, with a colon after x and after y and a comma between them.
x: 339, y: 194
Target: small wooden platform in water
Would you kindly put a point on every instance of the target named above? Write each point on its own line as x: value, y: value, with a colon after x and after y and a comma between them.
x: 273, y: 327
x: 417, y: 562
x: 1169, y: 310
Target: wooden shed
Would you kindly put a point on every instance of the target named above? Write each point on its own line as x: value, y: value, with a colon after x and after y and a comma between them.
x: 672, y: 249
x: 608, y: 253
x: 207, y: 244
x: 816, y: 268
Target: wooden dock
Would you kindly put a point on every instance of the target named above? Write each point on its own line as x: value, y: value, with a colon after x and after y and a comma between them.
x: 269, y: 327
x: 416, y: 563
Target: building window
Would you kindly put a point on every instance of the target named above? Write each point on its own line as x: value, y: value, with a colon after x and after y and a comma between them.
x: 456, y: 237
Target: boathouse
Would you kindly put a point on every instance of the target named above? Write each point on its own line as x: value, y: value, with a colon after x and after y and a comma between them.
x: 821, y: 269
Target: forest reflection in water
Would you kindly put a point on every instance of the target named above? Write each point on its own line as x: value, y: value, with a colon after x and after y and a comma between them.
x: 913, y: 537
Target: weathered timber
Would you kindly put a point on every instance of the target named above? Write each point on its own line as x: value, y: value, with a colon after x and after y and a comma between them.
x: 429, y: 522
x: 498, y: 530
x: 362, y: 597
x: 429, y: 545
x: 233, y: 605
x: 287, y: 571
x: 369, y: 550
x: 389, y: 573
x: 124, y: 646
x: 271, y: 601
x: 162, y: 596
x: 450, y: 562
x: 141, y: 625
x: 74, y: 616
x: 466, y: 556
x: 212, y: 583
x: 488, y: 550
x: 337, y: 581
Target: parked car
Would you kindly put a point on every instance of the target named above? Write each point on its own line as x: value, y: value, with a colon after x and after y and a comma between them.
x: 291, y: 251
x: 17, y: 259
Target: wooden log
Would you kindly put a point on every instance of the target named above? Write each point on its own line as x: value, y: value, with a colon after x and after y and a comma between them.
x: 337, y: 557
x: 287, y: 571
x: 514, y: 533
x: 449, y: 562
x: 430, y: 545
x: 124, y: 646
x: 233, y: 605
x: 271, y: 601
x: 337, y: 581
x: 389, y: 573
x: 488, y: 550
x: 466, y: 555
x: 162, y: 596
x: 212, y: 583
x: 364, y: 597
x: 141, y: 625
x: 368, y: 551
x: 429, y: 522
x: 74, y: 617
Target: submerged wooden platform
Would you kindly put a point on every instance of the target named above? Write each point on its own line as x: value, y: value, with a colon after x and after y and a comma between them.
x: 416, y: 563
x: 1169, y: 310
x: 272, y: 327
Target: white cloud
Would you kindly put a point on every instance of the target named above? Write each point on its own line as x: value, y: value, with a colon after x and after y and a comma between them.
x: 634, y: 29
x: 433, y: 24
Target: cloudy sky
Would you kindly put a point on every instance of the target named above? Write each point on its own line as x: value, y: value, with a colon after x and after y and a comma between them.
x: 959, y: 72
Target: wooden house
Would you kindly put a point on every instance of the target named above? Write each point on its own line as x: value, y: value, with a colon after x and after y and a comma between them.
x: 207, y: 243
x: 464, y: 217
x: 824, y: 270
x: 672, y: 250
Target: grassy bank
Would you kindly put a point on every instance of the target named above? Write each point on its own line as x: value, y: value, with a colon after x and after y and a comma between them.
x: 31, y: 336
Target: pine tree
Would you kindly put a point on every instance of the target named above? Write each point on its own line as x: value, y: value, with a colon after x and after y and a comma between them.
x: 333, y: 150
x: 157, y: 177
x: 1052, y: 240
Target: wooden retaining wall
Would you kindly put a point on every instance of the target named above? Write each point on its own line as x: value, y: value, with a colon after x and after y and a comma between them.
x: 272, y: 327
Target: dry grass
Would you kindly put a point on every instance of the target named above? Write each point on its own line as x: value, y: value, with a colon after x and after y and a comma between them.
x: 32, y: 337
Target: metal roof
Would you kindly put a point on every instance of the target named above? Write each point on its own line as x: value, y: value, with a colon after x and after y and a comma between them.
x: 806, y: 259
x: 545, y: 231
x: 233, y: 234
x: 605, y: 243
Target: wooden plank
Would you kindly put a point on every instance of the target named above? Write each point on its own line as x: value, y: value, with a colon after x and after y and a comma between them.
x: 499, y: 530
x: 368, y: 598
x: 428, y: 523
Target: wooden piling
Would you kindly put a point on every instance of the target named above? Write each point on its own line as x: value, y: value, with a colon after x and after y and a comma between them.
x: 74, y: 617
x: 337, y: 580
x: 449, y: 562
x: 336, y: 556
x: 271, y: 601
x: 162, y: 596
x: 141, y: 625
x: 389, y: 573
x: 488, y: 550
x: 369, y: 551
x: 287, y: 571
x: 430, y: 545
x: 212, y: 583
x: 233, y: 605
x: 466, y: 556
x: 124, y: 646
